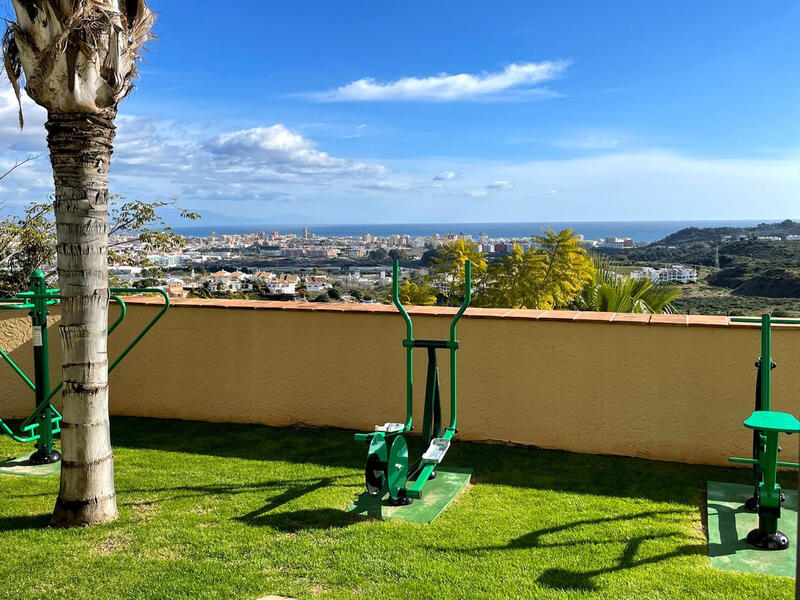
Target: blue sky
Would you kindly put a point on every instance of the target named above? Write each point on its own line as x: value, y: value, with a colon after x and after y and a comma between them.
x: 335, y: 112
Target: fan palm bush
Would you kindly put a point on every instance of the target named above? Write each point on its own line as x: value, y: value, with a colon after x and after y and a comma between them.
x: 609, y: 292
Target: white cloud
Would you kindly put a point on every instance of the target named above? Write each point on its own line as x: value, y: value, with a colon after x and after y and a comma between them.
x: 159, y: 159
x: 283, y: 151
x: 518, y: 79
x: 500, y: 185
x: 205, y: 167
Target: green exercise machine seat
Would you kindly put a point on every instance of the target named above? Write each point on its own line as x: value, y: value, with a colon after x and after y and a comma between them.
x: 769, y: 420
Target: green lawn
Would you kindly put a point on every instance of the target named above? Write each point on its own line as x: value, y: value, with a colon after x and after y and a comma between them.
x: 233, y: 511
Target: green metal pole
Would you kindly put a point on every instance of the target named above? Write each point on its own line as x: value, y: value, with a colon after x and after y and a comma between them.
x: 409, y: 345
x: 766, y: 362
x: 770, y: 490
x: 453, y: 347
x: 44, y: 446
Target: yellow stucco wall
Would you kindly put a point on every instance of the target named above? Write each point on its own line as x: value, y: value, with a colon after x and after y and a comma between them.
x: 669, y: 392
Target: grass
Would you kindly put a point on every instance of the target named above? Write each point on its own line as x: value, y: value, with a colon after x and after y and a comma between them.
x: 236, y: 511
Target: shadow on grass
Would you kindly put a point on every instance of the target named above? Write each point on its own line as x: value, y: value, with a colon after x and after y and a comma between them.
x: 304, y: 520
x: 24, y: 523
x: 534, y: 538
x: 293, y: 490
x: 293, y: 493
x: 565, y: 579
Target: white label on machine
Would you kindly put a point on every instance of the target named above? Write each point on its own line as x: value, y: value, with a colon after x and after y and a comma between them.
x: 390, y: 427
x: 37, y: 335
x: 436, y: 451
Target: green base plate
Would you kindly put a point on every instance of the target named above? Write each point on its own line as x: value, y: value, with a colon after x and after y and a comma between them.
x: 728, y: 526
x: 437, y: 495
x: 20, y: 466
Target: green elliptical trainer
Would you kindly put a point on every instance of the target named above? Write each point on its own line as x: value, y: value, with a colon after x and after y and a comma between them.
x: 44, y: 423
x: 767, y: 425
x: 388, y: 469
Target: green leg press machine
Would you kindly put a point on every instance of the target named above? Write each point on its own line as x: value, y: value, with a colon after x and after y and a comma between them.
x: 767, y: 425
x: 43, y: 424
x: 388, y: 470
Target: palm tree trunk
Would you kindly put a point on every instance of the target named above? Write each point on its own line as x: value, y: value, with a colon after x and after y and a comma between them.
x: 80, y: 151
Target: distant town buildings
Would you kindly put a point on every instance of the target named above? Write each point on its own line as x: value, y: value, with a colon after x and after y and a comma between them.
x: 239, y: 250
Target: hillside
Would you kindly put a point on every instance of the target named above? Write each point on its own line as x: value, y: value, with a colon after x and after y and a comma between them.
x: 763, y: 274
x: 715, y: 234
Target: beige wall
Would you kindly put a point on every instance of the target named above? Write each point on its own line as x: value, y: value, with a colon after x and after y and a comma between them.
x: 654, y: 388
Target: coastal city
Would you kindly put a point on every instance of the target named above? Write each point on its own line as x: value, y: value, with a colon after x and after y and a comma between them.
x: 291, y: 266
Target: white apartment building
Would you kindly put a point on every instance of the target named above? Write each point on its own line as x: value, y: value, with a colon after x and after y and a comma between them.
x: 126, y: 272
x: 283, y: 284
x: 317, y: 283
x: 615, y: 242
x: 166, y: 260
x: 673, y: 274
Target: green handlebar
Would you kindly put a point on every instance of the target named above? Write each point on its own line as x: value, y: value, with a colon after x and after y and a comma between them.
x: 772, y: 320
x: 409, y: 349
x: 467, y: 299
x: 753, y: 461
x: 123, y: 313
x: 396, y: 299
x: 147, y: 327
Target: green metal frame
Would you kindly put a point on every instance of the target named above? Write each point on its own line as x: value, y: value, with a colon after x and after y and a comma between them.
x: 396, y: 466
x: 43, y: 424
x: 767, y: 426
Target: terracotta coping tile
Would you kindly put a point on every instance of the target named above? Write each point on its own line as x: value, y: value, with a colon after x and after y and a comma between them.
x: 669, y: 320
x: 594, y: 316
x: 474, y: 312
x: 485, y: 313
x: 376, y: 308
x: 326, y: 306
x: 642, y: 319
x: 558, y: 315
x: 524, y: 313
x: 309, y: 306
x: 429, y: 310
x: 708, y: 321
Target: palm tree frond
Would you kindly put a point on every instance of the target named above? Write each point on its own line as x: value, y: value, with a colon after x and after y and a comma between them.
x: 77, y: 56
x: 609, y: 292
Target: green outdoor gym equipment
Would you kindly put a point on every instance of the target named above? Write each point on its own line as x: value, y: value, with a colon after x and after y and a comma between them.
x: 45, y: 421
x: 388, y: 469
x: 767, y: 425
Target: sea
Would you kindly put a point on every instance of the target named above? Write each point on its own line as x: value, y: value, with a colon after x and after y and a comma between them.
x: 639, y: 231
